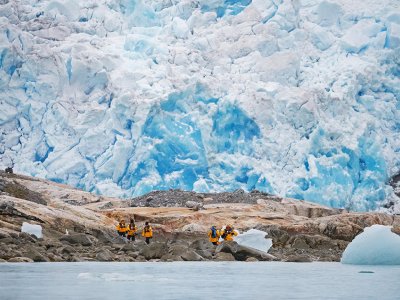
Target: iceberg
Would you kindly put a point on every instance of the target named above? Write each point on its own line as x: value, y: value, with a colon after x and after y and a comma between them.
x: 254, y: 238
x: 377, y: 245
x: 34, y: 229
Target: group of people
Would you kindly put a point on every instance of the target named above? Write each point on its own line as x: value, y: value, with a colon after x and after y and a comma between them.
x: 226, y: 234
x: 130, y: 231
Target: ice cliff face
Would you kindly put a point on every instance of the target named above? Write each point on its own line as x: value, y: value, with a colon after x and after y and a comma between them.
x: 298, y: 98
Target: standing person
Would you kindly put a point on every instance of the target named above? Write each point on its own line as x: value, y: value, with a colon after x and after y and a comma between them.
x: 131, y: 230
x: 213, y: 235
x: 121, y: 228
x: 147, y: 232
x: 228, y: 233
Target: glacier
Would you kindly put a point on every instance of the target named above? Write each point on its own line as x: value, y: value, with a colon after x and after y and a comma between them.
x: 122, y: 97
x: 377, y: 245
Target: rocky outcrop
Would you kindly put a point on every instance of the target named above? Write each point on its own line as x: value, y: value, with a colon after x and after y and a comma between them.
x: 79, y: 226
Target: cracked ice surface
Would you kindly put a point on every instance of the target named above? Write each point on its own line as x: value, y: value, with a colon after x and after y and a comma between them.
x: 297, y: 98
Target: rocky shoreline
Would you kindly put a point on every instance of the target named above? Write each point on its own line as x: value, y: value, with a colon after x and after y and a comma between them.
x: 300, y: 231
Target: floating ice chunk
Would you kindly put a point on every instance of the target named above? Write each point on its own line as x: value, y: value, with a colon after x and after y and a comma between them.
x: 32, y: 229
x: 255, y: 239
x: 377, y: 245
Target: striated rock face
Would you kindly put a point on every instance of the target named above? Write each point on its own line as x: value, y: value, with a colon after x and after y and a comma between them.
x: 79, y: 226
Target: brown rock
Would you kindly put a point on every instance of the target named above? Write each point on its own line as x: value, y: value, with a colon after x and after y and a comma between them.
x: 251, y: 259
x: 298, y: 258
x: 36, y: 256
x: 241, y: 253
x: 104, y: 255
x: 154, y: 251
x: 222, y: 256
x: 20, y: 259
x: 190, y: 255
x: 78, y: 238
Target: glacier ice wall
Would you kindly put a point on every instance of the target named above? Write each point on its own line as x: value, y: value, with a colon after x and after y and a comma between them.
x: 121, y: 97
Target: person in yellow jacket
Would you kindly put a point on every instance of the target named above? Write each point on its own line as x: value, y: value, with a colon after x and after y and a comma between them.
x: 147, y: 232
x: 122, y: 228
x: 228, y: 233
x: 131, y: 231
x: 213, y: 235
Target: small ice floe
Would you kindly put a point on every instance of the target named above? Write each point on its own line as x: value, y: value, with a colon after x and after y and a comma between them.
x: 32, y: 229
x: 377, y: 245
x: 255, y: 239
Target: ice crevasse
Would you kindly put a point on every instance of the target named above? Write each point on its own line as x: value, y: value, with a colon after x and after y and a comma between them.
x: 122, y: 97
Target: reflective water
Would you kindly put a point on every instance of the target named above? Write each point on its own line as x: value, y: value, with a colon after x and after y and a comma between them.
x: 198, y: 280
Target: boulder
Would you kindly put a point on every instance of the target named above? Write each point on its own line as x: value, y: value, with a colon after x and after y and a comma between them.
x: 4, y: 234
x: 54, y: 258
x: 299, y: 242
x: 194, y: 205
x: 205, y: 253
x: 251, y: 259
x: 129, y: 247
x: 298, y: 258
x: 26, y: 237
x: 279, y: 237
x: 104, y: 255
x: 67, y: 250
x: 35, y: 255
x: 223, y: 256
x: 241, y: 253
x: 193, y: 227
x: 20, y: 259
x: 78, y: 238
x: 201, y: 245
x: 191, y: 256
x: 154, y: 251
x: 131, y: 254
x: 171, y: 257
x: 2, y: 260
x: 177, y: 249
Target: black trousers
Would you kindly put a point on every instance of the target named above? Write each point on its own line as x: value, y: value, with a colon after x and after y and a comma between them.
x: 122, y: 234
x: 148, y: 240
x: 131, y: 237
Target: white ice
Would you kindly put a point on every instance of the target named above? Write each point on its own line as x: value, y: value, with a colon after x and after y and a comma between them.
x: 32, y: 229
x: 295, y: 98
x: 255, y: 239
x: 377, y: 245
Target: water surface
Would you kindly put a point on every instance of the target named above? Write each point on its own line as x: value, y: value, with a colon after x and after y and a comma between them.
x: 197, y: 280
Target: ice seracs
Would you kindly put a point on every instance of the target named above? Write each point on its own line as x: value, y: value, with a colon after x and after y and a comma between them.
x: 377, y: 245
x: 296, y: 98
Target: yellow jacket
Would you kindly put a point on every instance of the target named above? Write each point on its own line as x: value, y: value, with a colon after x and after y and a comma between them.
x: 132, y: 231
x: 147, y: 232
x: 121, y: 228
x: 229, y: 235
x: 214, y: 239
